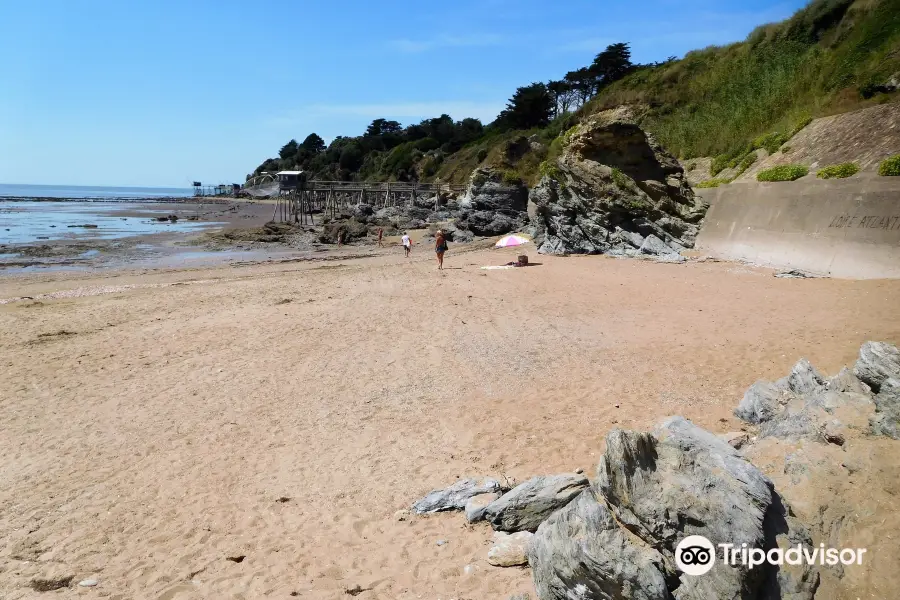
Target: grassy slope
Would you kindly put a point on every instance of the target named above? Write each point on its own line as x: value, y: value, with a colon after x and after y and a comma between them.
x: 718, y: 100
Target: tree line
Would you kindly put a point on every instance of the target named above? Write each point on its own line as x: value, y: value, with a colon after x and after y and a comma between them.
x: 387, y: 150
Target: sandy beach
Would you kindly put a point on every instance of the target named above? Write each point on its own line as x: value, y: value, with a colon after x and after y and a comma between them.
x: 251, y: 431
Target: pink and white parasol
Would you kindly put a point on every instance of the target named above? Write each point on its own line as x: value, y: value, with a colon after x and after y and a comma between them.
x: 511, y: 240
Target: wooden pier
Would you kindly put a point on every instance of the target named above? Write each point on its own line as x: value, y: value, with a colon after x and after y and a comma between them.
x: 335, y: 197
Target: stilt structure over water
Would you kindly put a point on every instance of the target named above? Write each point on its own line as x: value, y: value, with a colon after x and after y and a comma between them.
x: 332, y: 198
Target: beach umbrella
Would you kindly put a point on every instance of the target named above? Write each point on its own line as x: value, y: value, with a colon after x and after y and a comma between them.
x: 511, y: 240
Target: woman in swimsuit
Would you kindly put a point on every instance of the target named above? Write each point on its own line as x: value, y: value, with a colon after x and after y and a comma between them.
x: 440, y: 246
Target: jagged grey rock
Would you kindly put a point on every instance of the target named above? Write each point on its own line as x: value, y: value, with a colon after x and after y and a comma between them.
x: 846, y: 381
x: 488, y: 191
x: 510, y: 549
x: 581, y: 552
x: 762, y: 401
x: 654, y: 245
x: 476, y: 505
x: 886, y: 420
x: 632, y: 238
x: 489, y: 223
x: 610, y: 178
x: 618, y: 538
x: 455, y: 496
x: 877, y: 361
x: 527, y: 505
x: 805, y: 379
x: 801, y: 405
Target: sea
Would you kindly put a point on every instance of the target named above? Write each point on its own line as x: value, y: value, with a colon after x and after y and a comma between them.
x: 89, y: 192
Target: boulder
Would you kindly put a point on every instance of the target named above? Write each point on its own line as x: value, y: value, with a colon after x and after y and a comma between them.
x: 886, y: 420
x: 609, y: 179
x: 527, y: 505
x: 476, y: 505
x: 762, y: 401
x: 361, y: 212
x: 489, y: 191
x: 351, y: 229
x: 805, y: 379
x: 510, y: 550
x: 581, y: 552
x: 877, y: 361
x: 618, y: 538
x: 489, y: 223
x: 654, y: 245
x: 456, y: 496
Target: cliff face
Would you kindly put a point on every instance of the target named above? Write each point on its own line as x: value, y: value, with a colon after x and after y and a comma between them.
x: 614, y: 190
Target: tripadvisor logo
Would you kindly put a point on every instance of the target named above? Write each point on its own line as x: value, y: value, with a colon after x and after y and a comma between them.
x: 696, y: 555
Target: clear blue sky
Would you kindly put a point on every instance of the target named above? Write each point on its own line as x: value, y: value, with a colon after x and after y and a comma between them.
x: 163, y: 92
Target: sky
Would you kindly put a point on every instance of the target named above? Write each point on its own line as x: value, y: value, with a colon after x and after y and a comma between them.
x: 166, y: 92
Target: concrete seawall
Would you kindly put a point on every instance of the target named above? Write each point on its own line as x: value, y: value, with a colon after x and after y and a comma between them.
x: 847, y: 228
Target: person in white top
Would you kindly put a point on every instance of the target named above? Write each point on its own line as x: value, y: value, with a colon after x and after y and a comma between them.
x: 406, y: 243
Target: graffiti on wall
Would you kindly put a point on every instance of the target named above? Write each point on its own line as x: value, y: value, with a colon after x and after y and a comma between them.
x: 866, y: 222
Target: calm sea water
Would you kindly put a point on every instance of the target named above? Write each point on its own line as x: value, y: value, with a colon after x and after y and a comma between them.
x: 81, y: 191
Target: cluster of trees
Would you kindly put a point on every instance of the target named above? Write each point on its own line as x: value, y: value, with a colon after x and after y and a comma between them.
x: 387, y: 150
x: 537, y: 104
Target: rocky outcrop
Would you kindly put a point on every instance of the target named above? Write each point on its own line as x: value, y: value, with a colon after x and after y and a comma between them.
x: 618, y: 538
x: 827, y: 477
x: 878, y: 361
x: 612, y: 187
x: 349, y: 229
x: 456, y: 496
x: 807, y: 405
x: 492, y: 205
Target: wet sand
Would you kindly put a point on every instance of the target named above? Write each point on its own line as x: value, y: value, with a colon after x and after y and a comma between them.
x: 156, y: 424
x: 91, y: 235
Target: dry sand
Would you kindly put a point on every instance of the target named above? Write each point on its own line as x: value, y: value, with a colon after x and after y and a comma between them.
x: 150, y: 432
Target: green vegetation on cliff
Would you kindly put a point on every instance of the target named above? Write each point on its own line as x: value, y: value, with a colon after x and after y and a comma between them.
x: 783, y: 173
x: 725, y: 102
x: 831, y: 56
x: 890, y: 166
x: 840, y: 171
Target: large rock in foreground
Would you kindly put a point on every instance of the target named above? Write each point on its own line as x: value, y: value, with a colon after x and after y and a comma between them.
x: 613, y: 187
x: 618, y: 538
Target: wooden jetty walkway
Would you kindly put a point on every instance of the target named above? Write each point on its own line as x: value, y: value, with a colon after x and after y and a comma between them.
x: 335, y: 197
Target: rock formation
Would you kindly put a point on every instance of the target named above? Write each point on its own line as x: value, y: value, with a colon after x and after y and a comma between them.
x: 492, y: 206
x: 613, y: 190
x: 807, y: 405
x: 618, y: 538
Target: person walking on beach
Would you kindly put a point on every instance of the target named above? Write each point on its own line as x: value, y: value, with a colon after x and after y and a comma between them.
x: 380, y: 235
x: 440, y: 246
x: 406, y: 243
x: 340, y: 237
